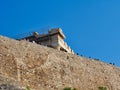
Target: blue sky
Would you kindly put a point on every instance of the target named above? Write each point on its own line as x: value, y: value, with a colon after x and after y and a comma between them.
x: 92, y: 27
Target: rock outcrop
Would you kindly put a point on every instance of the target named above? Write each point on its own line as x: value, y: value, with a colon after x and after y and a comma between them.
x: 10, y: 84
x: 43, y: 68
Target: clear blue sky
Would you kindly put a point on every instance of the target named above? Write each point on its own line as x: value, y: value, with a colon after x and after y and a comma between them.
x: 92, y: 27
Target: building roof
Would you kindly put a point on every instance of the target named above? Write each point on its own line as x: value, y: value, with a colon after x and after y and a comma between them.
x: 51, y: 32
x: 57, y: 31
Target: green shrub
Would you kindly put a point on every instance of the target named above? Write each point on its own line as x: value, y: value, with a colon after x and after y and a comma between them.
x: 102, y: 88
x: 27, y: 88
x: 67, y: 88
x: 74, y: 88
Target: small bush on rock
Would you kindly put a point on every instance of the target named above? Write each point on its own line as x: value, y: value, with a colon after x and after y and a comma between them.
x: 102, y: 88
x: 67, y: 88
x: 27, y: 88
x: 74, y: 88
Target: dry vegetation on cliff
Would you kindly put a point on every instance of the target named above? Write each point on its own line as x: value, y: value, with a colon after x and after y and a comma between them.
x: 43, y: 68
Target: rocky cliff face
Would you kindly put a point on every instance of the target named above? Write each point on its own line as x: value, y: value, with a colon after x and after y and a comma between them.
x: 43, y: 68
x: 10, y: 84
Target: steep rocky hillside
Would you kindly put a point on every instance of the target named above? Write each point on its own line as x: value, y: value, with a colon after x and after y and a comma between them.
x: 10, y: 84
x: 43, y: 68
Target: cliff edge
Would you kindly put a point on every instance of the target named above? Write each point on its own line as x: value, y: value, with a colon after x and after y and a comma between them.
x: 43, y: 68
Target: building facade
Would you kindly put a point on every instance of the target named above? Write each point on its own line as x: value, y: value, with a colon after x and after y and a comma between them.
x: 54, y: 38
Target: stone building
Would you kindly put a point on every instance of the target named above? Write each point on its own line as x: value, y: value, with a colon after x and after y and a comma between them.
x: 54, y: 38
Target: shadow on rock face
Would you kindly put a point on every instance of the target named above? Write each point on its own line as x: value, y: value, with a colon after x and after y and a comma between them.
x: 10, y: 87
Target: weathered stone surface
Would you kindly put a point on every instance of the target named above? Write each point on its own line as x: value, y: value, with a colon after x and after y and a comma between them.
x: 10, y: 84
x: 44, y: 68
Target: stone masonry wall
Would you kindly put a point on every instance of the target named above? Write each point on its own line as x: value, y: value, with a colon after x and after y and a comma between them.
x: 44, y: 68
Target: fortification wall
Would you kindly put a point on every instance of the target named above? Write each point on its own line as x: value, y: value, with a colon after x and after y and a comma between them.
x: 43, y: 68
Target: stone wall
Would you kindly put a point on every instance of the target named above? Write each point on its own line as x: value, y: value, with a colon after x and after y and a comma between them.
x: 43, y: 68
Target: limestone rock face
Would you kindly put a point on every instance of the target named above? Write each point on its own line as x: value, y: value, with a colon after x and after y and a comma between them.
x: 43, y: 68
x: 10, y: 84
